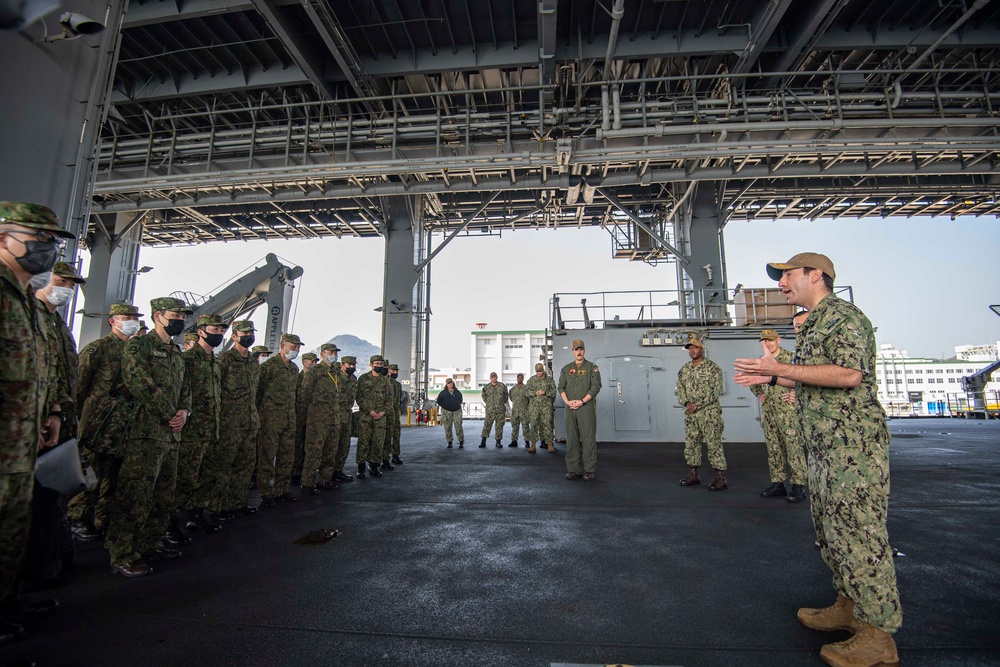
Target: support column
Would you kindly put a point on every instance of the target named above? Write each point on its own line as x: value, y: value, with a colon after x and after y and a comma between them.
x: 398, y: 296
x: 114, y: 258
x: 706, y: 272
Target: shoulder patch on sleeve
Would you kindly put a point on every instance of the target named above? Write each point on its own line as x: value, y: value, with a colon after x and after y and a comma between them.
x: 596, y: 369
x: 134, y: 346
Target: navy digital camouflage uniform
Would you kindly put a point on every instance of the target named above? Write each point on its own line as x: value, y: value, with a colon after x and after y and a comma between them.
x: 239, y: 421
x: 702, y: 385
x: 155, y: 379
x: 847, y: 436
x: 276, y: 397
x: 495, y: 401
x: 520, y: 399
x: 540, y: 408
x: 782, y: 430
x: 577, y: 382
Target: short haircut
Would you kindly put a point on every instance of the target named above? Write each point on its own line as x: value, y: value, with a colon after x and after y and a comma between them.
x: 827, y: 280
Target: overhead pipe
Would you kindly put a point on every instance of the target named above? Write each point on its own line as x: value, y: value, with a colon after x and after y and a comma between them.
x: 976, y: 6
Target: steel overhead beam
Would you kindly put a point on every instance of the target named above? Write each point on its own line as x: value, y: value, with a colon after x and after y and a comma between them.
x: 186, y: 85
x: 301, y: 50
x: 761, y: 30
x: 547, y: 41
x: 804, y: 28
x: 642, y: 225
x: 151, y: 13
x: 456, y: 232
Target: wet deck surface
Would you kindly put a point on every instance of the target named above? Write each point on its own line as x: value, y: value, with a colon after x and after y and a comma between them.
x: 490, y: 557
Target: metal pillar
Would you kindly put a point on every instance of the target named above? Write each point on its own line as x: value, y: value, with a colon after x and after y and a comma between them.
x: 398, y: 311
x: 114, y: 258
x: 706, y: 272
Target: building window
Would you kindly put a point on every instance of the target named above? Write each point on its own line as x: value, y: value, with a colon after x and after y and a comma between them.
x: 487, y: 341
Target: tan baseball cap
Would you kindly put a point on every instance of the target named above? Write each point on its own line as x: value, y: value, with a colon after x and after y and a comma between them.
x: 539, y: 367
x: 578, y: 344
x: 804, y: 260
x: 769, y: 334
x: 693, y: 341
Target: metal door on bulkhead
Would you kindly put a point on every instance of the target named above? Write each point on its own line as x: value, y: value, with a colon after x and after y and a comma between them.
x: 629, y: 388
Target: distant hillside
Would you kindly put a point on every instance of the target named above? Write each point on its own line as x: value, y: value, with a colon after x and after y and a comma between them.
x: 352, y: 346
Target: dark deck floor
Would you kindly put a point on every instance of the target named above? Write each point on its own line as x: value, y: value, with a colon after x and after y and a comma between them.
x: 489, y: 557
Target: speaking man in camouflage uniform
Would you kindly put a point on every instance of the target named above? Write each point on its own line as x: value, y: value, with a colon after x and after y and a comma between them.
x: 153, y: 371
x: 450, y: 402
x: 393, y: 431
x: 848, y: 438
x: 782, y: 432
x: 519, y: 399
x: 319, y: 397
x: 239, y: 422
x: 346, y: 396
x: 105, y: 414
x: 202, y: 465
x: 59, y: 291
x: 276, y: 389
x: 309, y: 360
x: 29, y: 242
x: 495, y: 402
x: 699, y: 385
x: 579, y: 384
x: 374, y: 401
x: 541, y: 391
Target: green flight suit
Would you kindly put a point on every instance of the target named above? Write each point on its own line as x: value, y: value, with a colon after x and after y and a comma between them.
x: 576, y: 382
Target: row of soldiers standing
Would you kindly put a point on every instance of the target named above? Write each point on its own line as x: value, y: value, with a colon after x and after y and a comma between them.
x: 531, y: 409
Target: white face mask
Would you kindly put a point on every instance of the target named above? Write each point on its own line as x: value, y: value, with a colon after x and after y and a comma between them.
x: 261, y: 359
x: 129, y: 327
x: 40, y: 280
x: 60, y: 295
x: 291, y: 354
x: 330, y: 358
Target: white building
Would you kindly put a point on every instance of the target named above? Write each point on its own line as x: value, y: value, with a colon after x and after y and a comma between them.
x: 921, y: 386
x: 505, y: 353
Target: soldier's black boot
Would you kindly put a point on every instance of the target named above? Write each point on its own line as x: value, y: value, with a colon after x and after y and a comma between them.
x: 797, y: 494
x: 396, y: 460
x: 461, y: 444
x: 482, y: 444
x: 526, y: 443
x: 499, y: 444
x: 85, y: 531
x: 373, y: 469
x: 361, y: 471
x: 387, y: 465
x: 776, y: 490
x: 176, y: 533
x: 513, y: 443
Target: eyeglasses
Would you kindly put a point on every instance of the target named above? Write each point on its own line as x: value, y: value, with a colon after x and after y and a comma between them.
x: 43, y: 237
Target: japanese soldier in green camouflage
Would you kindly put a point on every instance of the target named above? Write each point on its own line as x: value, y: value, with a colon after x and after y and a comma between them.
x: 190, y: 340
x: 260, y: 353
x: 308, y: 360
x: 541, y: 390
x: 845, y: 431
x: 579, y: 384
x: 276, y: 395
x: 782, y: 432
x: 29, y: 242
x: 59, y: 291
x: 374, y: 401
x: 238, y: 425
x: 390, y: 453
x: 153, y: 371
x: 319, y: 399
x: 202, y: 464
x: 105, y: 414
x: 699, y: 386
x: 495, y: 402
x: 519, y: 400
x: 348, y: 393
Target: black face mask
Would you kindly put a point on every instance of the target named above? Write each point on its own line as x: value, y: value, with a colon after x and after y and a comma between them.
x: 350, y: 370
x: 381, y: 370
x: 174, y: 327
x: 394, y: 375
x: 246, y: 341
x: 39, y: 257
x: 213, y: 340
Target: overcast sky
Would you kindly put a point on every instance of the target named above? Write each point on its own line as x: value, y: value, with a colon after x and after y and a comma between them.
x: 926, y: 284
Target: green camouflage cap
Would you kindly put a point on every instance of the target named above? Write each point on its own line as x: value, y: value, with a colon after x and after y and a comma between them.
x: 190, y: 338
x: 211, y: 320
x: 33, y: 216
x: 124, y: 309
x: 169, y: 303
x: 310, y: 356
x: 64, y: 270
x: 328, y: 347
x: 260, y: 349
x: 143, y: 325
x: 336, y: 365
x: 348, y: 360
x: 291, y: 338
x: 243, y: 325
x: 393, y: 367
x: 375, y: 357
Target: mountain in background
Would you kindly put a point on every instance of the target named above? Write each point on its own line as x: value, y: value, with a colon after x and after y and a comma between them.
x: 352, y: 346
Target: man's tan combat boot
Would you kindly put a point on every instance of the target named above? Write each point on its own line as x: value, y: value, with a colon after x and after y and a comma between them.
x: 869, y: 647
x: 552, y: 450
x: 838, y: 616
x: 532, y: 449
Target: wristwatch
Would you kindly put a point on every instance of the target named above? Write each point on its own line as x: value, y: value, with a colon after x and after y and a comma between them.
x: 774, y: 380
x: 60, y: 414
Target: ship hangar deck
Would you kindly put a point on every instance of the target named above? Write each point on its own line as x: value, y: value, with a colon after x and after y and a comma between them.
x: 489, y: 557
